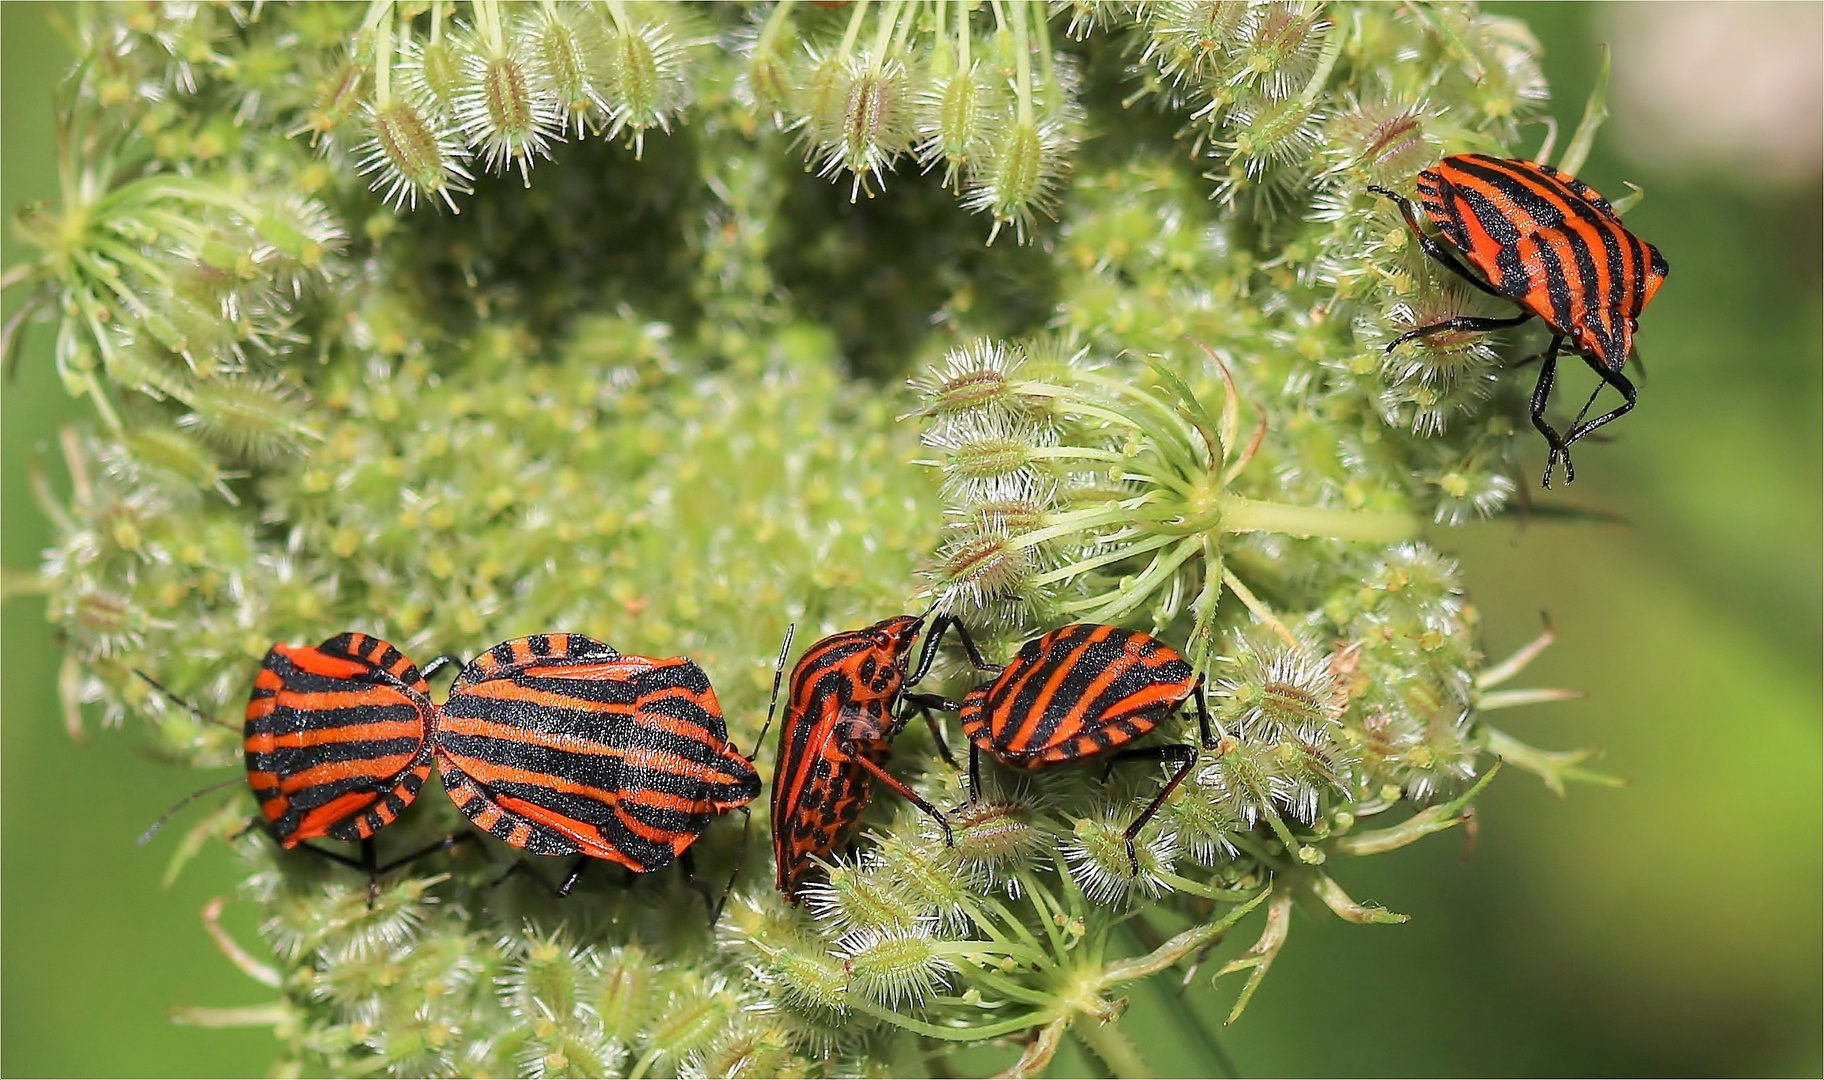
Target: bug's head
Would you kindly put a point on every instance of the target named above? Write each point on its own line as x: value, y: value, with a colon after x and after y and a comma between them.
x: 881, y: 664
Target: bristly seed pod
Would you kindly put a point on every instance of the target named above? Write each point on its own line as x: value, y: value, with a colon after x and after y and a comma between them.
x: 979, y: 375
x: 1096, y: 854
x: 1023, y: 169
x: 408, y: 154
x: 893, y: 965
x: 645, y: 83
x: 570, y: 44
x: 1277, y: 48
x: 954, y: 114
x: 507, y: 113
x: 873, y: 127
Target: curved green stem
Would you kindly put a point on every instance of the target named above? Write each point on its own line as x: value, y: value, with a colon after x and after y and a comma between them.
x: 1131, y: 597
x: 953, y: 1034
x: 1116, y: 1050
x: 1086, y: 565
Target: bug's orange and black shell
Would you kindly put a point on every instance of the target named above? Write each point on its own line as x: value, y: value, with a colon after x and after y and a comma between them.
x: 559, y: 744
x: 338, y: 738
x: 840, y: 707
x: 1551, y: 244
x: 1076, y: 692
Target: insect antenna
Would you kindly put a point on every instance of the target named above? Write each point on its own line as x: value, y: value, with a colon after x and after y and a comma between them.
x: 778, y: 675
x: 189, y: 706
x: 179, y: 805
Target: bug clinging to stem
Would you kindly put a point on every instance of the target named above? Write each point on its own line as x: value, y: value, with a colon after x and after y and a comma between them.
x: 1549, y: 243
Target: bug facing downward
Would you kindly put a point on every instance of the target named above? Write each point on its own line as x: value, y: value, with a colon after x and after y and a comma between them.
x: 1551, y: 244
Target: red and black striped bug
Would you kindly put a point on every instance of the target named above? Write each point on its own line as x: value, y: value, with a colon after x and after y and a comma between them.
x: 1080, y: 691
x: 560, y: 745
x: 837, y: 735
x: 338, y: 742
x: 1554, y: 246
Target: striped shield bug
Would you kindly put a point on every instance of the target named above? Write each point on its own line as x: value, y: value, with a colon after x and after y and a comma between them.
x: 1080, y: 691
x: 1552, y: 245
x: 837, y: 735
x: 560, y: 745
x: 338, y: 742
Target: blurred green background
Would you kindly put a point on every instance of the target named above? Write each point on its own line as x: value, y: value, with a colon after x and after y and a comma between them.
x: 1670, y: 927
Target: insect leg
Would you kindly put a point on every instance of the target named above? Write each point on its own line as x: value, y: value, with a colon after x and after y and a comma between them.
x: 1473, y: 324
x: 687, y: 862
x: 1430, y: 245
x: 1140, y: 753
x: 444, y: 844
x: 928, y: 652
x: 333, y: 856
x: 715, y: 912
x: 1205, y: 731
x: 1542, y: 393
x: 1619, y: 382
x: 524, y: 867
x: 1189, y: 755
x: 908, y: 794
x: 924, y: 703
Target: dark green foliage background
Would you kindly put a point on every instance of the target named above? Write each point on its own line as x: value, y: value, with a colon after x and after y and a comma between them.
x: 1668, y: 928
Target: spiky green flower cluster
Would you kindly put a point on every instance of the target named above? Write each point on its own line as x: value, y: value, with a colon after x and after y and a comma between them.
x: 610, y: 396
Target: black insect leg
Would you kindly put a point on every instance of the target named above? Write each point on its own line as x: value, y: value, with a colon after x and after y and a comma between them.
x: 1170, y: 751
x: 1430, y: 245
x: 1542, y: 394
x: 1613, y: 378
x: 935, y: 637
x: 1188, y: 757
x: 337, y: 857
x: 908, y: 794
x: 1472, y: 324
x: 1205, y: 730
x: 925, y: 703
x: 575, y: 875
x: 687, y: 862
x: 715, y: 911
x: 524, y: 867
x: 444, y: 844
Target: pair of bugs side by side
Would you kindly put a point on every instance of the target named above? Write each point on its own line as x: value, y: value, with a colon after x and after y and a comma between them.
x: 559, y: 745
x: 1548, y: 242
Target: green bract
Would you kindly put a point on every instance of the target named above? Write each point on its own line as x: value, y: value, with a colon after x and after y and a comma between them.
x: 458, y: 322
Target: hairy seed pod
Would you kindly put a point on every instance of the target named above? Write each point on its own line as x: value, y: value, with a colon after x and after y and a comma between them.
x: 409, y: 155
x: 1022, y: 172
x: 507, y: 114
x: 1096, y: 855
x: 569, y: 44
x: 979, y: 375
x: 893, y: 965
x: 863, y: 895
x: 874, y: 126
x: 1277, y: 48
x: 954, y: 113
x: 646, y: 83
